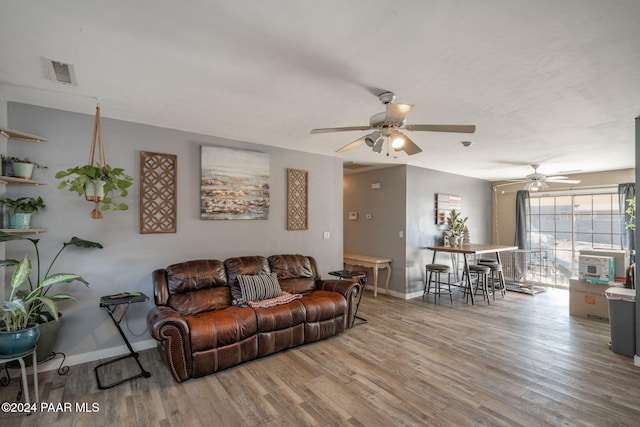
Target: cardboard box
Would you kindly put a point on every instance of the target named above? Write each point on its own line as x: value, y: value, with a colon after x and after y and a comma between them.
x: 588, y: 300
x: 596, y: 269
x: 620, y: 257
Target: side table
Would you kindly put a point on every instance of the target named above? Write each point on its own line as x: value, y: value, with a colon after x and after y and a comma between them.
x: 111, y: 303
x: 23, y: 371
x: 362, y: 280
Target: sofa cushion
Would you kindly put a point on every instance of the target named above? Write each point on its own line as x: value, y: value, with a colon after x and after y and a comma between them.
x: 197, y: 286
x: 244, y: 266
x: 280, y: 316
x: 259, y: 286
x: 323, y: 305
x: 295, y: 273
x: 215, y: 329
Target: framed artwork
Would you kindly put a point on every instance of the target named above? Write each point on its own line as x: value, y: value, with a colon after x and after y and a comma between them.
x: 234, y: 184
x: 297, y: 199
x: 158, y: 192
x: 445, y: 203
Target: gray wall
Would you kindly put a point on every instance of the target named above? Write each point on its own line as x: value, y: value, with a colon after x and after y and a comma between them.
x: 406, y: 202
x: 128, y: 258
x: 422, y: 231
x: 378, y: 236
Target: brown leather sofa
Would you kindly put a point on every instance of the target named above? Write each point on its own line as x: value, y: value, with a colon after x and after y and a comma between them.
x: 200, y: 331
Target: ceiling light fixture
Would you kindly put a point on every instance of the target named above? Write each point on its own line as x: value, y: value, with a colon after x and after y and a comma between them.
x: 535, y: 186
x: 397, y: 140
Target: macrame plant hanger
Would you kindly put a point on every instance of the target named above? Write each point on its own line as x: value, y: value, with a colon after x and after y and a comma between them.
x: 96, y: 213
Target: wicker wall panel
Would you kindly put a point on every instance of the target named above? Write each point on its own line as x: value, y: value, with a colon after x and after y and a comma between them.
x: 297, y: 199
x: 158, y: 192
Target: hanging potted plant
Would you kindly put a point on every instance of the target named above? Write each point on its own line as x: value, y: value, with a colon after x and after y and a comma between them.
x: 98, y: 184
x: 32, y: 300
x: 21, y: 209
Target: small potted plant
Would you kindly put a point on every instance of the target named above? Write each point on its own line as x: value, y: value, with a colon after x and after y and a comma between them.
x: 100, y: 184
x: 631, y: 212
x: 456, y: 225
x: 32, y: 301
x: 21, y: 209
x: 20, y: 167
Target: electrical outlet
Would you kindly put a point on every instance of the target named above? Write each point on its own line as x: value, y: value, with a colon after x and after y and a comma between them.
x: 401, y: 234
x: 326, y: 235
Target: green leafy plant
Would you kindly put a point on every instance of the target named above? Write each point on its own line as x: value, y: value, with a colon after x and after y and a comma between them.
x: 6, y: 159
x: 24, y: 204
x: 631, y: 211
x: 32, y: 299
x: 116, y: 183
x: 456, y: 223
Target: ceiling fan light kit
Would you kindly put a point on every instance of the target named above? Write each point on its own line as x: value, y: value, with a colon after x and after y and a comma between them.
x: 387, y: 125
x: 536, y: 182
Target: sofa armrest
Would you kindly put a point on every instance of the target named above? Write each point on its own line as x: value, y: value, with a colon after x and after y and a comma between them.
x: 348, y: 289
x: 170, y: 328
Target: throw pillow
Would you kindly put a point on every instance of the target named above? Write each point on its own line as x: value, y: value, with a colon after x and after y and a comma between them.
x: 259, y: 286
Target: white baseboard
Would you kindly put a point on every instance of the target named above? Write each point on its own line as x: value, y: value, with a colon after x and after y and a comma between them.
x: 412, y: 295
x: 382, y: 291
x: 91, y: 356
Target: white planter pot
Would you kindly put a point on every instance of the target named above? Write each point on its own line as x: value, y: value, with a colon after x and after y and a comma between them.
x: 22, y: 170
x: 94, y: 190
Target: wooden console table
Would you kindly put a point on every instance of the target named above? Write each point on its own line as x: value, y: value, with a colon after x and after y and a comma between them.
x: 373, y: 262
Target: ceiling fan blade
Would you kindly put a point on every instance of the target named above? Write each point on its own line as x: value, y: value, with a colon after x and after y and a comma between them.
x: 564, y: 181
x: 443, y: 128
x: 409, y: 146
x: 555, y: 177
x: 397, y: 112
x: 351, y: 145
x: 341, y: 129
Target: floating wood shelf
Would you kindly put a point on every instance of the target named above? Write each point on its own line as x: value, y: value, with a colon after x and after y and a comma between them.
x: 11, y: 180
x: 24, y: 230
x: 21, y: 136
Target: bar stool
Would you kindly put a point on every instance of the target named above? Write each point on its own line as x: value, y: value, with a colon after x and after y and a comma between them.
x: 4, y: 359
x: 482, y: 279
x: 496, y: 281
x: 435, y: 271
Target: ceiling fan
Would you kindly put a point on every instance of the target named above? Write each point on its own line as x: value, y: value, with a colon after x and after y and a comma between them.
x: 386, y: 129
x: 538, y: 182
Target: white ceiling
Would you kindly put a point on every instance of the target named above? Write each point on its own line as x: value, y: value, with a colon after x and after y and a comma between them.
x: 545, y: 81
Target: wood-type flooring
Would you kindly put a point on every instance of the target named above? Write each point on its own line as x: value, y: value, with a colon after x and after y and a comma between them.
x: 523, y: 361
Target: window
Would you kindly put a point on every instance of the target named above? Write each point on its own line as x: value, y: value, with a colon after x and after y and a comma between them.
x: 563, y: 224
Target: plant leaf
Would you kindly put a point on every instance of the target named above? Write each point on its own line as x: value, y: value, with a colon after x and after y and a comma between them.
x: 21, y: 273
x: 50, y: 305
x: 61, y: 278
x: 60, y: 296
x: 8, y: 262
x: 76, y: 241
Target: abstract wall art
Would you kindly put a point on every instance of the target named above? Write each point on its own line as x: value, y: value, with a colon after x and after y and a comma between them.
x: 234, y: 184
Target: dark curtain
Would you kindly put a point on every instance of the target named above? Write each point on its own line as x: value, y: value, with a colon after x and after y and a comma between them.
x: 522, y: 207
x: 626, y: 191
x: 520, y: 258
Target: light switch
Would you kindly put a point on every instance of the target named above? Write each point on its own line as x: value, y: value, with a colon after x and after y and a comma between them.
x: 326, y: 235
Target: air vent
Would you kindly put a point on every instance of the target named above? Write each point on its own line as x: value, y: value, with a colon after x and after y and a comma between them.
x: 61, y: 72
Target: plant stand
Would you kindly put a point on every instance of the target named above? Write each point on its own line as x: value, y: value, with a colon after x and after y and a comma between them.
x: 111, y: 304
x: 20, y: 358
